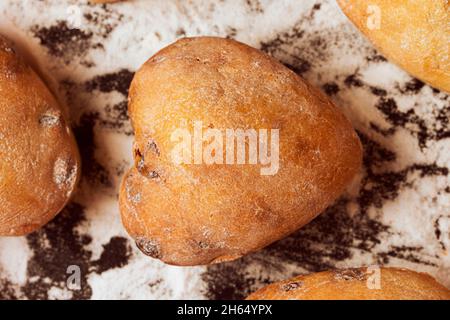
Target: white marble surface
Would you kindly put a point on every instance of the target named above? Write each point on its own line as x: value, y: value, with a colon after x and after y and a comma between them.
x: 396, y: 213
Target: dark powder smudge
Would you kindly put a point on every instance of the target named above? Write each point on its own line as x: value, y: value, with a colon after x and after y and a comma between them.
x: 353, y: 80
x: 57, y: 246
x: 378, y: 91
x: 375, y: 57
x: 118, y: 81
x: 405, y: 253
x: 438, y: 232
x: 301, y: 66
x: 331, y: 88
x: 65, y: 42
x: 116, y: 116
x: 84, y: 132
x: 116, y: 254
x: 104, y: 20
x: 413, y: 87
x: 255, y: 6
x: 315, y: 44
x: 7, y: 291
x: 408, y: 120
x: 380, y: 187
x: 399, y: 119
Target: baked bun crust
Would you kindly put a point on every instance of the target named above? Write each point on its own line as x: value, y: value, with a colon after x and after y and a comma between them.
x: 414, y: 34
x: 39, y: 160
x: 191, y: 214
x: 356, y: 284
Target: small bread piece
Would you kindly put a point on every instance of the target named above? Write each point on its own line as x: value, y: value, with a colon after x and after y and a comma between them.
x: 415, y: 34
x: 356, y: 284
x: 39, y: 160
x: 192, y: 214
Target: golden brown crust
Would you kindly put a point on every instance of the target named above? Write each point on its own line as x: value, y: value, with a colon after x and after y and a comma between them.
x: 200, y: 214
x: 39, y: 161
x: 413, y: 34
x: 356, y: 284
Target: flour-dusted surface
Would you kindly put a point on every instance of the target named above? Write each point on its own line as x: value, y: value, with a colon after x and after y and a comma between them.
x: 396, y: 213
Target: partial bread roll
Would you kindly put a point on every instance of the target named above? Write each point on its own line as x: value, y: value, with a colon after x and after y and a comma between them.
x: 201, y: 211
x: 415, y: 34
x: 356, y: 284
x: 39, y: 161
